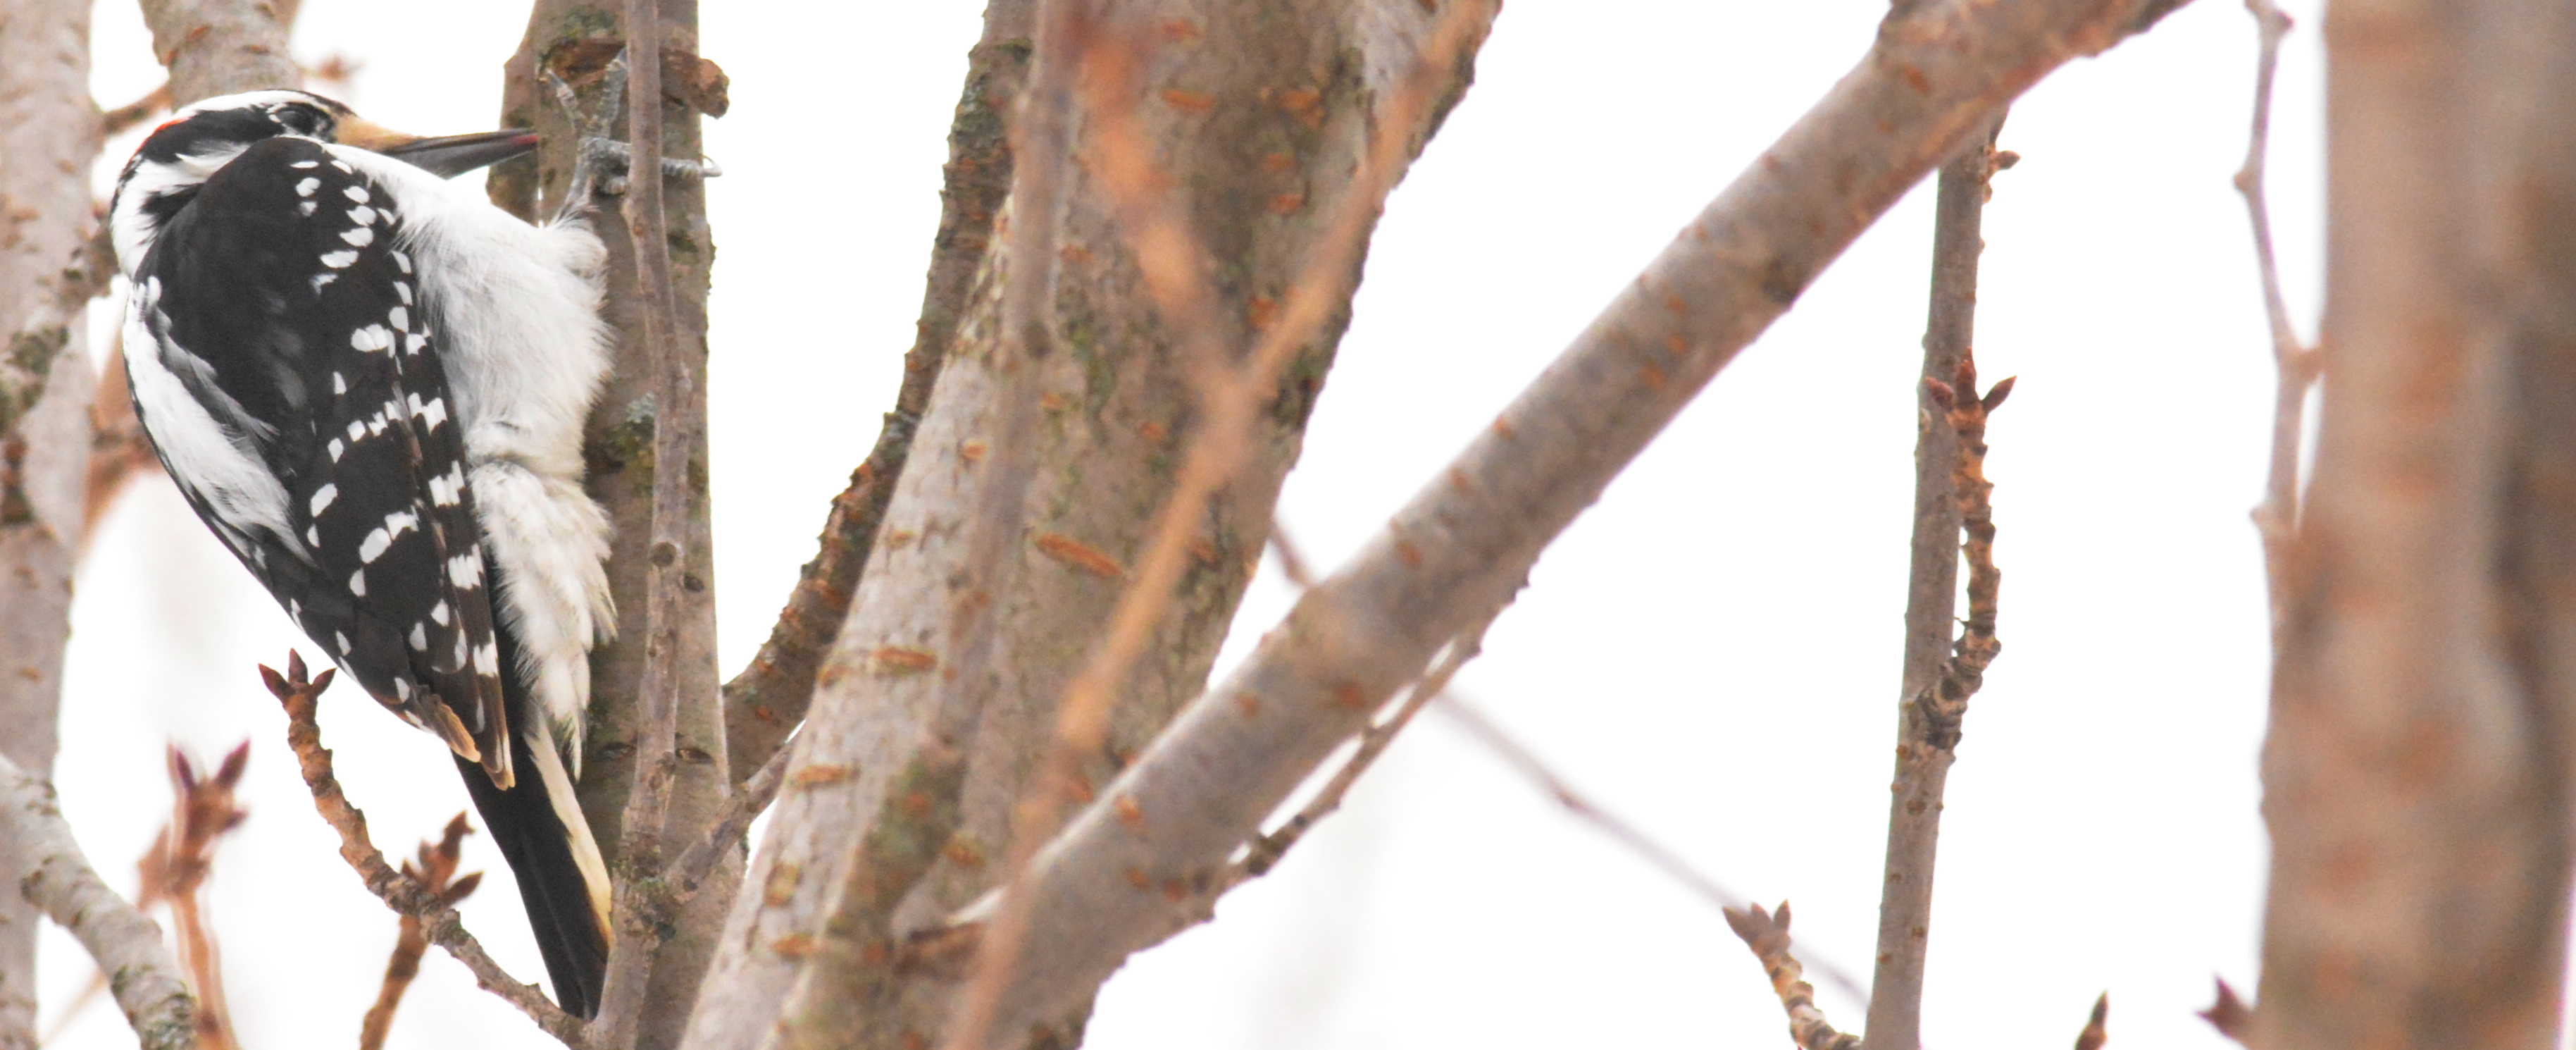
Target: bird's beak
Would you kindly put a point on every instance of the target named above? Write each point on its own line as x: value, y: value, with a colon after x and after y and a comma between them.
x: 447, y: 156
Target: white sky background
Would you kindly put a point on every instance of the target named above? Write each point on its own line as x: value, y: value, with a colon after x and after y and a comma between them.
x: 1712, y: 651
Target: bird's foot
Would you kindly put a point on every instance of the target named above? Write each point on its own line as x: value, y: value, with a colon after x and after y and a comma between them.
x: 602, y: 164
x: 613, y: 161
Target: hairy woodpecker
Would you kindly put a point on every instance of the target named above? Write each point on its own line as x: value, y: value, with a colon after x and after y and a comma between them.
x: 371, y: 384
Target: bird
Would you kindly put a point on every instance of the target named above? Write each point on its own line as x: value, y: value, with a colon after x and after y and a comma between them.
x: 370, y: 384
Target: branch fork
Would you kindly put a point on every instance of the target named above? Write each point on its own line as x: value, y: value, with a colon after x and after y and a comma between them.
x: 408, y: 897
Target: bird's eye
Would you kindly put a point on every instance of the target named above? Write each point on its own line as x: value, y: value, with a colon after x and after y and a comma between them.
x: 300, y: 119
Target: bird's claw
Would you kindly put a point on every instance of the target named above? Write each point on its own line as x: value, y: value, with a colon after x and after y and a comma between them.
x: 617, y: 158
x: 603, y: 163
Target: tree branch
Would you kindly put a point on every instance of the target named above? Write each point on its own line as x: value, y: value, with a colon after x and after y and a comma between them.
x: 921, y: 741
x: 48, y: 138
x: 1927, y: 734
x: 116, y: 121
x: 57, y: 878
x: 2277, y: 517
x: 1937, y: 73
x: 688, y: 871
x: 2097, y: 1028
x: 176, y: 870
x: 119, y: 451
x: 2232, y: 1016
x: 1174, y: 266
x: 2417, y: 768
x: 677, y: 424
x: 218, y: 47
x: 405, y: 896
x: 1618, y: 829
x: 1265, y: 851
x: 436, y: 875
x: 768, y: 699
x: 1767, y: 933
x: 635, y: 438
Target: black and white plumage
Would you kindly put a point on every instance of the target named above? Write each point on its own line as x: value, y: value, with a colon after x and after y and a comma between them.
x: 371, y: 384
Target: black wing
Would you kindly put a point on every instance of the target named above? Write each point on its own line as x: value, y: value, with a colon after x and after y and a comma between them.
x: 281, y: 303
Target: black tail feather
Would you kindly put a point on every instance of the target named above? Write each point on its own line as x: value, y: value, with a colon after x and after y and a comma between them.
x: 533, y: 839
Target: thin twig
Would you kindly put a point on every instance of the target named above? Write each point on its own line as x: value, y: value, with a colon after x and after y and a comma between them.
x: 436, y: 873
x: 769, y: 698
x: 1928, y: 728
x: 201, y: 812
x: 118, y: 450
x: 2097, y: 1028
x: 690, y: 868
x: 1171, y: 259
x: 1292, y: 561
x: 171, y: 873
x: 406, y: 897
x: 1265, y: 851
x: 1663, y: 858
x: 1767, y: 933
x: 59, y: 879
x: 640, y: 908
x: 2233, y: 1017
x: 1522, y: 760
x: 1527, y: 763
x: 2277, y: 517
x: 114, y: 122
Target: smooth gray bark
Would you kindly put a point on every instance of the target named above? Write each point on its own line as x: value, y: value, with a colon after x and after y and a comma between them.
x: 50, y: 872
x: 2417, y: 771
x: 1119, y: 878
x: 47, y: 276
x: 921, y: 739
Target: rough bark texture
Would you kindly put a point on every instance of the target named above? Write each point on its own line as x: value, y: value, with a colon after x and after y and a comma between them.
x: 1119, y: 877
x: 50, y: 872
x: 898, y: 809
x: 680, y: 424
x: 576, y: 39
x: 2416, y: 775
x: 768, y: 699
x: 1931, y: 608
x: 214, y: 47
x: 47, y: 275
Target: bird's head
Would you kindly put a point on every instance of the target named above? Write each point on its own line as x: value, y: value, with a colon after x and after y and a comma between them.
x: 199, y: 140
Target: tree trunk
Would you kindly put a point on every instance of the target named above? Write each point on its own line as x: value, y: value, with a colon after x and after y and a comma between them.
x: 921, y: 739
x: 577, y: 39
x: 47, y: 276
x: 218, y: 47
x: 1130, y: 869
x: 768, y: 700
x: 2416, y: 775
